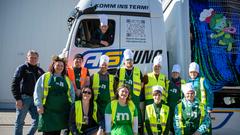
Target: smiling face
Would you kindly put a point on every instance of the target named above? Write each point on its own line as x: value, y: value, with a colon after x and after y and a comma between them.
x: 77, y: 62
x: 156, y: 69
x: 104, y: 28
x: 175, y: 75
x: 157, y: 97
x: 129, y: 63
x: 193, y: 74
x: 32, y: 59
x: 86, y: 94
x: 58, y: 67
x: 190, y: 95
x: 104, y: 67
x: 123, y: 94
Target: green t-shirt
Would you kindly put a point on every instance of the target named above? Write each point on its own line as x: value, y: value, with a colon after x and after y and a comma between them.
x: 122, y: 124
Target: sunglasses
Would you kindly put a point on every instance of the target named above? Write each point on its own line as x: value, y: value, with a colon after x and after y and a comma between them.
x: 87, y: 92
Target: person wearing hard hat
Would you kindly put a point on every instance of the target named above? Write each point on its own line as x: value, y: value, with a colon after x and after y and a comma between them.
x: 199, y: 83
x: 78, y: 74
x: 156, y: 115
x: 103, y: 35
x: 191, y: 116
x: 102, y: 84
x: 174, y: 92
x: 155, y: 78
x: 132, y: 76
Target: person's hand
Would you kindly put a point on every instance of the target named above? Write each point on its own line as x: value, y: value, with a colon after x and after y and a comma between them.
x: 19, y: 104
x: 40, y: 110
x: 196, y: 133
x: 105, y: 43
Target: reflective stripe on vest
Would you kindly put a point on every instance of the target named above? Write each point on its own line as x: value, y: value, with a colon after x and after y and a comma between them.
x: 46, y: 87
x: 136, y: 79
x: 96, y: 86
x: 203, y: 92
x: 151, y: 113
x: 79, y: 115
x: 179, y: 106
x: 153, y: 81
x: 114, y: 105
x: 83, y: 76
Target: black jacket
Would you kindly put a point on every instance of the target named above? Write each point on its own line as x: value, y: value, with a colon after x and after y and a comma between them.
x: 24, y: 80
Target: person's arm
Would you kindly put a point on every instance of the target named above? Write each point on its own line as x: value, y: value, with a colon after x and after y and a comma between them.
x: 17, y: 78
x: 176, y: 122
x: 167, y: 129
x: 72, y: 121
x: 108, y: 119
x: 72, y: 92
x: 116, y: 80
x: 204, y: 127
x: 38, y: 94
x: 135, y: 122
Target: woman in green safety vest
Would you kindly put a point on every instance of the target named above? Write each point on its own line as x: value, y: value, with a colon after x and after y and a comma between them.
x: 191, y: 117
x: 83, y: 114
x: 156, y: 115
x: 53, y: 96
x: 174, y: 92
x: 121, y: 116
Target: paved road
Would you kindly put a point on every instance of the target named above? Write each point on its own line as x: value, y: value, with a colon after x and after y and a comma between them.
x: 7, y: 119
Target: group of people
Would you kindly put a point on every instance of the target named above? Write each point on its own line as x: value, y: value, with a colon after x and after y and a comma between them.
x: 67, y: 97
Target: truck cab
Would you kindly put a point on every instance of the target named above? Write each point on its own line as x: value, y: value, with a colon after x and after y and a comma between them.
x: 138, y: 26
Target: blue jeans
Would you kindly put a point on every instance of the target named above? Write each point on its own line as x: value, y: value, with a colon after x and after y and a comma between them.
x: 28, y: 106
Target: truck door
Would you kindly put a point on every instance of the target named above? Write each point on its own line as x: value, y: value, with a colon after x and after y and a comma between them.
x: 80, y: 40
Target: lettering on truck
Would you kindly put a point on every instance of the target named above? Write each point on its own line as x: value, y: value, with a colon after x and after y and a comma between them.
x: 116, y: 56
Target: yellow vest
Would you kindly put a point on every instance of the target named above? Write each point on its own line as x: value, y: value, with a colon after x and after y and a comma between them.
x: 131, y: 107
x: 152, y: 80
x: 152, y: 116
x: 96, y: 82
x: 46, y: 79
x: 79, y: 114
x: 179, y: 106
x: 137, y: 86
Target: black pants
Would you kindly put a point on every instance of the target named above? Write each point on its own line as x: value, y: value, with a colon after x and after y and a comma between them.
x: 52, y: 133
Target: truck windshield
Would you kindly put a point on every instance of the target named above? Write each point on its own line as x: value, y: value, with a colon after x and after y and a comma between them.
x: 91, y: 34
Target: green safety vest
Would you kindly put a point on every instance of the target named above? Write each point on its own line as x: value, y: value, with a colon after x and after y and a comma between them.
x: 131, y: 107
x: 136, y: 80
x: 151, y: 113
x: 46, y: 86
x: 79, y: 114
x: 153, y: 81
x: 96, y: 82
x: 180, y: 116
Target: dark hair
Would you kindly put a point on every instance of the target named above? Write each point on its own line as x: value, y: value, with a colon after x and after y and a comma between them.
x: 78, y: 56
x: 120, y: 87
x: 91, y: 102
x: 57, y: 59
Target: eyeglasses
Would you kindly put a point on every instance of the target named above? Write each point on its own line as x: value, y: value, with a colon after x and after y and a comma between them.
x: 87, y: 92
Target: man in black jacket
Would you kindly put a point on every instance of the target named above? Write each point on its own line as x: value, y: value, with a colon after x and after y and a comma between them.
x: 23, y: 85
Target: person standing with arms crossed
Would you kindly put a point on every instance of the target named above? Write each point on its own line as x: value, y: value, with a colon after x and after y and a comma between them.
x: 23, y: 84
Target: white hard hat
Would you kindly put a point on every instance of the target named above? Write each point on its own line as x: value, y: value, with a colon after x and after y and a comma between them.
x: 157, y: 60
x: 103, y: 20
x: 128, y: 54
x: 157, y: 88
x: 187, y: 87
x: 103, y: 59
x: 176, y: 68
x: 194, y: 67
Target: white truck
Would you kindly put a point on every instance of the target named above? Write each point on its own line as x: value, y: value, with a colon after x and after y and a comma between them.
x: 149, y: 28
